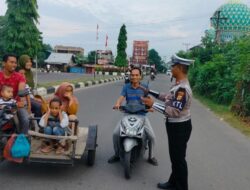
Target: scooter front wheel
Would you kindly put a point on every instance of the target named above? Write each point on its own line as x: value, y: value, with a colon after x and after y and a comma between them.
x: 127, y: 165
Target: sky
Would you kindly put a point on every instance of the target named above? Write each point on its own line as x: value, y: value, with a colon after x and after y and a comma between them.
x: 168, y: 25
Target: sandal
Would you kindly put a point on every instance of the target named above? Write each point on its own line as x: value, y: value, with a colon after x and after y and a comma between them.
x: 47, y: 149
x: 60, y: 150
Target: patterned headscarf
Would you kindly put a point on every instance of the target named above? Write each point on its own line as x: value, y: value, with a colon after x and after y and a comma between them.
x: 28, y: 73
x: 60, y: 94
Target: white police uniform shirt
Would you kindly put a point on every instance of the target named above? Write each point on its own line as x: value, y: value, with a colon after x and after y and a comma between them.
x: 178, y: 102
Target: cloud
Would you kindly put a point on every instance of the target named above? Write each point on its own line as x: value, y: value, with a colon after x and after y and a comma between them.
x: 175, y: 21
x: 130, y: 11
x: 80, y: 4
x: 165, y: 32
x: 3, y: 7
x: 55, y: 27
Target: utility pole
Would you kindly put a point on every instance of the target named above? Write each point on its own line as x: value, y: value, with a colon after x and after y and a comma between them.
x: 165, y: 59
x: 218, y: 18
x: 96, y: 58
x: 36, y: 73
x: 186, y: 45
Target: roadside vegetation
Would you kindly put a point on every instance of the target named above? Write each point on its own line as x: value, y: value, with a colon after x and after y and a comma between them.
x: 221, y: 74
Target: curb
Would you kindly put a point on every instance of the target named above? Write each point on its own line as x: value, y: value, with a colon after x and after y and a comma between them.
x: 42, y: 91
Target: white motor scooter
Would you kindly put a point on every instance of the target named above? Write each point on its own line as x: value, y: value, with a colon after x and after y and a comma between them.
x: 133, y: 142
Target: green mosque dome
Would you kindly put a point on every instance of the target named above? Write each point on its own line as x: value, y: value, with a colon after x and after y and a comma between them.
x: 210, y: 33
x: 235, y: 20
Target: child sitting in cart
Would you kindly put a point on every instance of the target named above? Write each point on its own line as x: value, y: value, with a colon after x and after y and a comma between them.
x: 55, y: 122
x: 6, y: 100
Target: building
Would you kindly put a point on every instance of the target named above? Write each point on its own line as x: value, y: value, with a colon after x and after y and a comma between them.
x: 105, y: 57
x: 60, y: 61
x: 69, y: 49
x: 210, y: 34
x: 140, y: 53
x: 230, y: 21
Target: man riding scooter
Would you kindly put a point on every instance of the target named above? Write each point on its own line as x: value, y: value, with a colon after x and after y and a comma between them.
x: 132, y: 92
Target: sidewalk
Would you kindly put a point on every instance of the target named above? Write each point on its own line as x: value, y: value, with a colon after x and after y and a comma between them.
x: 42, y: 91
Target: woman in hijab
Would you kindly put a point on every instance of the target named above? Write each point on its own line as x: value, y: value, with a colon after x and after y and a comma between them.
x: 69, y: 101
x: 25, y: 63
x: 24, y: 67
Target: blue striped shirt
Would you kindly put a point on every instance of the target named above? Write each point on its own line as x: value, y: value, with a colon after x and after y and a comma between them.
x: 133, y: 95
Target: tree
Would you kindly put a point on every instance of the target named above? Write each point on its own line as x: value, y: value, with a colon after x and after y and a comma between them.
x: 21, y: 35
x: 80, y: 59
x: 91, y: 57
x: 2, y: 19
x: 43, y: 54
x: 121, y: 58
x: 154, y: 58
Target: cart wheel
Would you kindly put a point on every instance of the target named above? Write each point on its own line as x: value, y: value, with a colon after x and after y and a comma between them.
x: 91, y: 145
x: 1, y: 151
x: 91, y: 157
x: 1, y: 155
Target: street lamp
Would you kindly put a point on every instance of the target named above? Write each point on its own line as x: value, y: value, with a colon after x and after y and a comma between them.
x: 95, y: 62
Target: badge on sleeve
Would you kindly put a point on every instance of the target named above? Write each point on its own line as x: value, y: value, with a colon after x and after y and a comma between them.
x: 179, y: 99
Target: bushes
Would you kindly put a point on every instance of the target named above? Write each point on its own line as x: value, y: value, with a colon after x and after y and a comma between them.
x: 222, y: 74
x: 214, y: 80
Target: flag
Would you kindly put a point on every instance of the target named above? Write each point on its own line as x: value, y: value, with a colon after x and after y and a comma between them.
x: 106, y: 43
x: 97, y: 27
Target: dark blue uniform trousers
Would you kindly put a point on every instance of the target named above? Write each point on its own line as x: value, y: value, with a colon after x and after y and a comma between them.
x: 178, y: 136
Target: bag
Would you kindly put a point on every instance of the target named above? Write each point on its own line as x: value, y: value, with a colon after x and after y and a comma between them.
x: 7, y: 150
x: 21, y: 147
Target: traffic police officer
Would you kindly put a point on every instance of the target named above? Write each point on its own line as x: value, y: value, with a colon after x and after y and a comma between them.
x: 178, y: 122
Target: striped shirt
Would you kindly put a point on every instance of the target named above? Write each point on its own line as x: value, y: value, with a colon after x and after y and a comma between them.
x: 133, y: 95
x: 10, y: 102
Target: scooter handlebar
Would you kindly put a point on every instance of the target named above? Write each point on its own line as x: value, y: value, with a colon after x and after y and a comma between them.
x: 121, y: 108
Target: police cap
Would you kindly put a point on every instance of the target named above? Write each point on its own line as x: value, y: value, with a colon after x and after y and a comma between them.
x: 178, y: 60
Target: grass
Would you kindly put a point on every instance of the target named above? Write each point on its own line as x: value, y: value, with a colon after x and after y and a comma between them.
x: 81, y: 79
x: 225, y: 113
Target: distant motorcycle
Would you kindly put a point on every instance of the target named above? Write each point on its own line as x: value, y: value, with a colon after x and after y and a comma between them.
x: 152, y: 76
x: 127, y: 80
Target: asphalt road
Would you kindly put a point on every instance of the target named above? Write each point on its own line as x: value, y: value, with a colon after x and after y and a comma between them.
x: 218, y: 155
